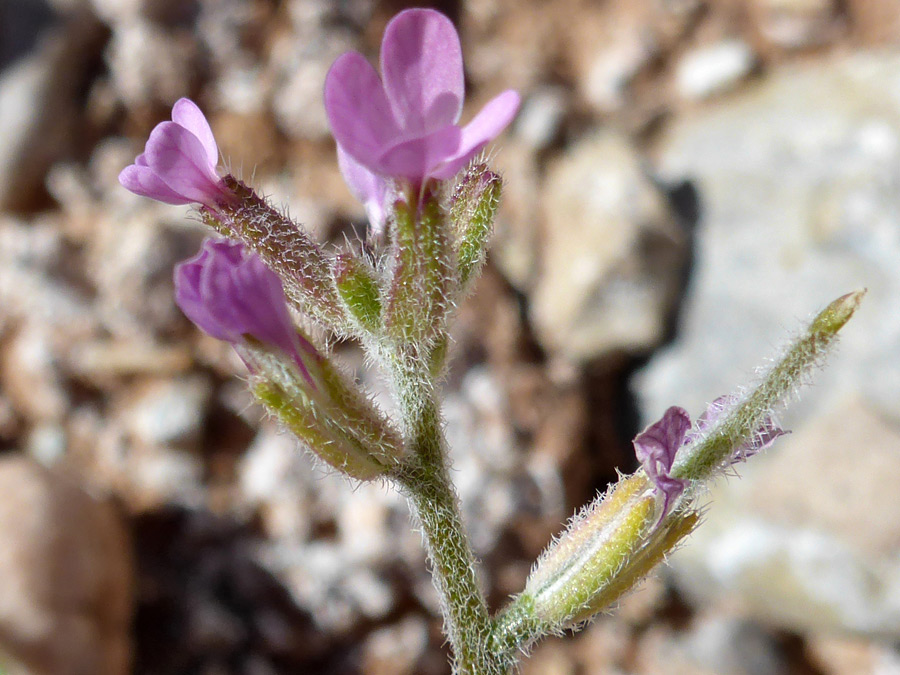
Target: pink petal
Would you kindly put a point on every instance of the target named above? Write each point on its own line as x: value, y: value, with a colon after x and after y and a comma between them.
x: 358, y: 110
x: 416, y: 158
x: 494, y: 117
x: 422, y: 67
x: 179, y: 159
x: 142, y: 181
x: 369, y: 188
x: 185, y: 113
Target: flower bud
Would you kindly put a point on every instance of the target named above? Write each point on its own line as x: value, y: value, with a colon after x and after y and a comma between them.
x: 474, y: 207
x: 738, y: 426
x: 357, y: 286
x: 333, y: 418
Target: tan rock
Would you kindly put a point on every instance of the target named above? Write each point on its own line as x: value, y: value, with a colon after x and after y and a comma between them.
x: 65, y: 561
x: 611, y: 256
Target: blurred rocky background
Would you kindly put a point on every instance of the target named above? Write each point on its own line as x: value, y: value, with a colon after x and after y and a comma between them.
x: 686, y: 182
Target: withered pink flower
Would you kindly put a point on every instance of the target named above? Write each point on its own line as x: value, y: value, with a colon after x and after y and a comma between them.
x: 404, y: 123
x: 762, y: 438
x: 178, y: 165
x: 655, y: 448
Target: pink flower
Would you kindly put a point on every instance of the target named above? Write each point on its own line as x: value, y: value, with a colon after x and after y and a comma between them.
x: 178, y: 165
x: 229, y: 293
x: 369, y: 188
x: 657, y: 445
x: 404, y: 125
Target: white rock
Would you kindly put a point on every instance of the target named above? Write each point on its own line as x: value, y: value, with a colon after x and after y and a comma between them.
x: 539, y: 120
x: 612, y: 252
x: 713, y: 69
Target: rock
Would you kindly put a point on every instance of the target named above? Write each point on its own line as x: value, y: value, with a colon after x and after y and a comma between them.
x: 30, y: 376
x: 614, y: 60
x: 728, y: 645
x: 149, y: 65
x: 540, y: 118
x: 167, y: 412
x: 713, y: 69
x: 65, y: 560
x: 797, y: 179
x: 39, y: 110
x: 395, y: 649
x: 611, y: 256
x: 796, y: 24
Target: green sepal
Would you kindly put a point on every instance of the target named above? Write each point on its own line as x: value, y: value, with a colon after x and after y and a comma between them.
x: 318, y: 432
x: 605, y: 551
x: 328, y: 408
x: 357, y: 286
x: 423, y: 273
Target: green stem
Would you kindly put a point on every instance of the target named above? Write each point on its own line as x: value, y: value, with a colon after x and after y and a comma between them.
x: 425, y: 480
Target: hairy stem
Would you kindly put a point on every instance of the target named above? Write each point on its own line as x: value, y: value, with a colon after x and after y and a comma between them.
x: 425, y: 480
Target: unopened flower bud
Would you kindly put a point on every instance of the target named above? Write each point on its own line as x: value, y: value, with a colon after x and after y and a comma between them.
x: 357, y: 286
x: 474, y: 207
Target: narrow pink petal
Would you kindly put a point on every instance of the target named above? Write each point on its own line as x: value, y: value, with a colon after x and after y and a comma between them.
x: 358, y: 110
x: 416, y: 158
x: 142, y: 181
x: 185, y: 113
x: 422, y: 67
x: 369, y: 188
x: 179, y: 159
x: 494, y: 117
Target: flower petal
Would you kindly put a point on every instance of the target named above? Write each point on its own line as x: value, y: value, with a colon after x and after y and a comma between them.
x: 142, y: 181
x: 368, y: 187
x: 655, y: 448
x: 187, y: 114
x: 416, y: 158
x: 179, y: 160
x: 493, y: 118
x: 422, y: 67
x: 358, y: 110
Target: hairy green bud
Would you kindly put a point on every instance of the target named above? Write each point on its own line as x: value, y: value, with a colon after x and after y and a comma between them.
x: 357, y: 286
x: 473, y: 210
x: 423, y: 276
x: 331, y: 415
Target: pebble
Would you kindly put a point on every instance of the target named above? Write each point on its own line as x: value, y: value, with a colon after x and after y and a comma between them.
x: 713, y: 69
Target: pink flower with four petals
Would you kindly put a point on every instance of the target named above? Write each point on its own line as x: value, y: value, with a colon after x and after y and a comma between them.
x: 404, y: 123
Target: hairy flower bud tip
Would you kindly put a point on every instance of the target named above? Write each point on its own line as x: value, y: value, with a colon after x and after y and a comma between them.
x: 178, y: 165
x: 403, y: 124
x: 230, y: 294
x: 831, y: 319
